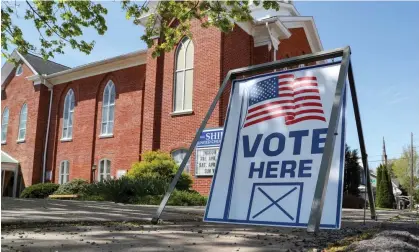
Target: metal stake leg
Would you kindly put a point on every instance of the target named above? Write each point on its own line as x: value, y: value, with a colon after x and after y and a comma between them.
x: 324, y: 170
x: 361, y: 140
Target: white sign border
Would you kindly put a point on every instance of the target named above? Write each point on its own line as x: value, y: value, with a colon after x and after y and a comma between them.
x: 341, y: 168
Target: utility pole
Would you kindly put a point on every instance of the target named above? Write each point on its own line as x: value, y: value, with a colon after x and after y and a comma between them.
x: 411, y: 171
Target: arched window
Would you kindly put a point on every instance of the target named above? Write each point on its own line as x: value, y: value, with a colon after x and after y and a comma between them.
x: 108, y: 109
x: 183, y: 86
x: 104, y: 170
x: 178, y: 156
x: 68, y: 115
x: 64, y: 172
x: 22, y: 123
x: 19, y: 70
x: 4, y: 124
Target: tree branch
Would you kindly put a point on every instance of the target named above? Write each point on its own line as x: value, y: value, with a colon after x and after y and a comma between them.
x: 45, y: 22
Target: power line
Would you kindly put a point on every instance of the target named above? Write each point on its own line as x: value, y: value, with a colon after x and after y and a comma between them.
x: 388, y: 159
x: 395, y: 154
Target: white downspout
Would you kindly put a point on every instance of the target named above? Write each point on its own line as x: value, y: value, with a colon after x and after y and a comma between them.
x: 275, y: 54
x: 274, y: 42
x: 44, y: 163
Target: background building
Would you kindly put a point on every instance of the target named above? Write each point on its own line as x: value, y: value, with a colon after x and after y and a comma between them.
x: 95, y: 120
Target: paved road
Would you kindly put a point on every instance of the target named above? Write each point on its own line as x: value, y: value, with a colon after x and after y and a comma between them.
x: 54, y: 225
x: 40, y: 210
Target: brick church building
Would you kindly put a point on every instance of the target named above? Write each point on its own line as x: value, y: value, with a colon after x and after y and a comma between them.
x: 95, y: 120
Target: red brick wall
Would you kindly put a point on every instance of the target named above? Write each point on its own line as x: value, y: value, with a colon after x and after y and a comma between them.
x: 143, y: 110
x: 18, y: 91
x: 237, y: 52
x: 178, y: 131
x: 86, y: 148
x: 215, y: 55
x: 153, y: 83
x: 124, y: 147
x: 296, y: 45
x: 41, y: 133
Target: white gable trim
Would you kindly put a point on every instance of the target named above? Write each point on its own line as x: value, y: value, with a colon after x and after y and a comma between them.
x: 261, y: 32
x: 27, y: 63
x: 12, y: 158
x: 9, y: 68
x: 98, y: 67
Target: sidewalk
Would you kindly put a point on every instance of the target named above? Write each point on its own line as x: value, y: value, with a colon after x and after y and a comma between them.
x: 40, y: 210
x: 58, y: 225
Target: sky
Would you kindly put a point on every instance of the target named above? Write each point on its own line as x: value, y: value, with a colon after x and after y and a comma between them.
x: 384, y: 39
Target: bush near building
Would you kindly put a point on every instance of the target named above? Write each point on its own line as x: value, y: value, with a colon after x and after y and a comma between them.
x: 146, y: 183
x: 125, y: 189
x: 157, y: 164
x: 178, y: 198
x: 75, y: 186
x: 39, y: 190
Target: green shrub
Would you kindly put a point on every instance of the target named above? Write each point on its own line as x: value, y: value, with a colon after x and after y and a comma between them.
x: 148, y: 200
x: 184, y: 183
x: 385, y: 198
x: 39, y: 190
x: 178, y: 198
x: 185, y: 198
x: 158, y: 164
x: 75, y: 186
x: 126, y: 190
x: 155, y: 163
x: 92, y: 197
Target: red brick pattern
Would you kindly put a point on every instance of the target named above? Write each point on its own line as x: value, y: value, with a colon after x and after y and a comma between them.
x: 18, y: 91
x: 143, y: 109
x: 86, y: 147
x: 178, y: 131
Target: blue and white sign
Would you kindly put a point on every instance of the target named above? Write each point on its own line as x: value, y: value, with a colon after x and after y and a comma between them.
x: 210, y: 138
x: 273, y: 143
x: 207, y: 150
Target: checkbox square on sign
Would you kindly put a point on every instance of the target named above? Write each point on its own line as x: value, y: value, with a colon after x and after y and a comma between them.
x: 275, y: 202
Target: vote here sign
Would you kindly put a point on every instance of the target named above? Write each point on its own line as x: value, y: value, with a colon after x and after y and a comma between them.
x: 271, y: 150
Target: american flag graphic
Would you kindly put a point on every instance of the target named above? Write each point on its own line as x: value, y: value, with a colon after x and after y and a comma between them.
x: 295, y: 99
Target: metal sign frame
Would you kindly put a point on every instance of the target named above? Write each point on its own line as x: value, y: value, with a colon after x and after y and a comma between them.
x: 320, y: 191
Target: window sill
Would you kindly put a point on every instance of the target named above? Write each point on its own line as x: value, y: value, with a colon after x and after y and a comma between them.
x: 20, y: 141
x: 182, y: 112
x: 106, y: 136
x: 66, y: 139
x: 3, y: 143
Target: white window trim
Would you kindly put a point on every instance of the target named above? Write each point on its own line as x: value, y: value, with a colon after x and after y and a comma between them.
x: 21, y: 70
x: 5, y: 125
x: 104, y: 168
x: 22, y: 125
x: 66, y: 173
x: 66, y: 125
x: 105, y: 118
x: 183, y: 70
x: 182, y: 112
x: 106, y: 136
